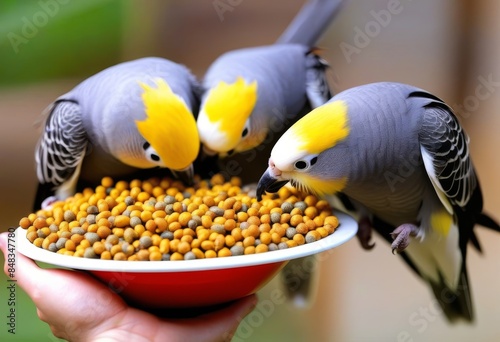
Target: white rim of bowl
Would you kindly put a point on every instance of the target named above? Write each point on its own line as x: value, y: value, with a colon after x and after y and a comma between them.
x: 346, y: 230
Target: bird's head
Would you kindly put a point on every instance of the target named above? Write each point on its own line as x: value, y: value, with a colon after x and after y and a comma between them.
x: 224, y: 118
x: 299, y: 155
x: 169, y: 130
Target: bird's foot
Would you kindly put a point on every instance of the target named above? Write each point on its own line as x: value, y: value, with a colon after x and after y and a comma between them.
x: 401, y: 236
x: 47, y: 203
x: 364, y: 233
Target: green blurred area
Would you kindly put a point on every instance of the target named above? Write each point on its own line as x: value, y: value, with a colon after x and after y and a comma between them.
x: 48, y: 39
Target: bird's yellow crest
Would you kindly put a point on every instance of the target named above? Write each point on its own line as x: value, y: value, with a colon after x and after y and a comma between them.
x: 229, y: 106
x: 169, y: 126
x: 322, y: 128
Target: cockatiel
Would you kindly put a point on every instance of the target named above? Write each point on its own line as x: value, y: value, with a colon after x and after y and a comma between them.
x: 252, y: 91
x: 399, y: 154
x: 132, y: 116
x: 252, y: 95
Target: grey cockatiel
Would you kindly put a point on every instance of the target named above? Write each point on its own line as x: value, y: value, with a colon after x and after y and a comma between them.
x: 253, y: 94
x: 400, y: 156
x: 132, y: 116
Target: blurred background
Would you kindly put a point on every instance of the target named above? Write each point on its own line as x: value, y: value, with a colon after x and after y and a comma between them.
x: 448, y: 47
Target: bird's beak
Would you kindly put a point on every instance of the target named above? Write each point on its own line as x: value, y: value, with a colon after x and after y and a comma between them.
x: 186, y: 175
x: 268, y: 183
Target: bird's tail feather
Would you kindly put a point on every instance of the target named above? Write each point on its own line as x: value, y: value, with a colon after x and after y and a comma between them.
x: 311, y: 22
x: 486, y: 221
x: 456, y: 304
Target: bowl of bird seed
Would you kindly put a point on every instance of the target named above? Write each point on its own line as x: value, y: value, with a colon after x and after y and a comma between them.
x: 162, y: 245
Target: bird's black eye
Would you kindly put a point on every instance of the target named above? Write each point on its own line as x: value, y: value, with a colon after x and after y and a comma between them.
x: 301, y: 165
x: 244, y: 133
x: 314, y: 160
x: 230, y: 152
x: 155, y: 157
x: 146, y: 145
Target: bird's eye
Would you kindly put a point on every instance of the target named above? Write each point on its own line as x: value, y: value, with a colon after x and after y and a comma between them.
x: 244, y: 133
x: 155, y: 157
x: 246, y: 129
x: 146, y: 145
x: 306, y: 163
x: 301, y: 165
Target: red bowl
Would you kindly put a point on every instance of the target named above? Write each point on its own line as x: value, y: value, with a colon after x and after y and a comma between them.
x: 156, y: 285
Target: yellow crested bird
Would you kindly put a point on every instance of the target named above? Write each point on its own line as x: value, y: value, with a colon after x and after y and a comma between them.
x: 137, y: 115
x: 400, y: 157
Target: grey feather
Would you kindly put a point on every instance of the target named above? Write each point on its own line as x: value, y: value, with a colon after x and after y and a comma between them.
x: 311, y: 22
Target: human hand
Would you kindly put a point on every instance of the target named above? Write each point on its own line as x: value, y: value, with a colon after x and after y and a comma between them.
x: 78, y: 307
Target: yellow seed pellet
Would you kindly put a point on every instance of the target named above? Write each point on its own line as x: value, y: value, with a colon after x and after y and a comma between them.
x: 210, y: 254
x: 176, y: 256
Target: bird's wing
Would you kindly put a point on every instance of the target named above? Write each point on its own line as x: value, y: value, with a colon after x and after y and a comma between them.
x: 445, y: 152
x: 317, y: 88
x: 60, y: 150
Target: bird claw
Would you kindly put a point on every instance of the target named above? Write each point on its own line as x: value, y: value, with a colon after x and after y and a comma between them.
x: 364, y: 233
x: 47, y: 203
x: 401, y: 236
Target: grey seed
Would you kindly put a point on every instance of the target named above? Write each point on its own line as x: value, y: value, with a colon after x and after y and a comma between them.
x: 41, y: 234
x: 92, y: 209
x: 244, y: 225
x: 129, y: 200
x: 77, y: 230
x: 290, y: 232
x: 126, y: 212
x: 65, y: 234
x: 310, y: 238
x: 186, y: 194
x: 169, y: 199
x: 92, y: 237
x: 145, y: 241
x: 275, y: 217
x: 237, y: 250
x: 218, y: 228
x: 301, y: 205
x: 287, y: 207
x: 160, y: 205
x: 54, y: 228
x: 135, y: 220
x: 169, y: 209
x: 89, y: 253
x: 272, y: 247
x: 197, y: 219
x: 192, y: 224
x: 69, y: 216
x: 61, y: 242
x: 112, y: 239
x: 218, y: 211
x: 90, y: 219
x: 189, y: 256
x: 167, y: 235
x: 53, y: 247
x: 165, y: 256
x: 282, y: 245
